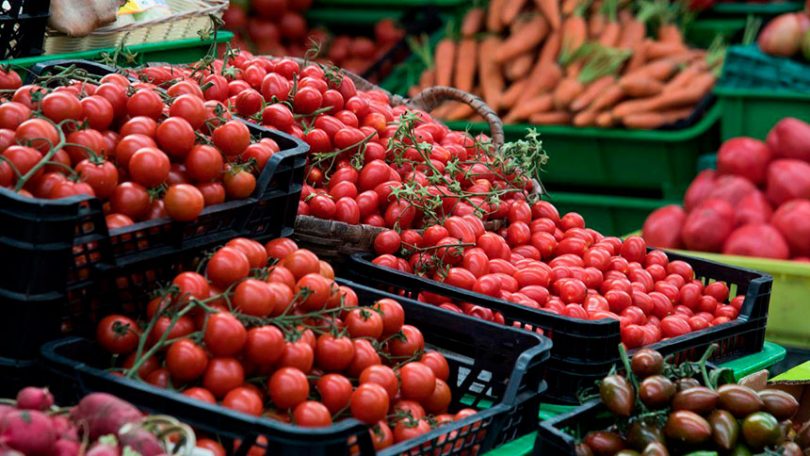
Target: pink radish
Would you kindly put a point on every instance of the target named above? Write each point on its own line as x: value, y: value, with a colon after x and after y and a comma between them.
x: 66, y: 448
x: 782, y: 36
x: 33, y: 398
x: 28, y: 431
x: 104, y: 413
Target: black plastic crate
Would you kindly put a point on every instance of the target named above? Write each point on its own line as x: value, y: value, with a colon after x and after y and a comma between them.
x: 489, y: 364
x: 22, y: 27
x: 585, y: 350
x: 61, y: 265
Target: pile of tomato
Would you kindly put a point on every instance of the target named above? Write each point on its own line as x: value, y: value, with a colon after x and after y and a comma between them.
x: 555, y: 264
x: 145, y: 152
x: 267, y: 331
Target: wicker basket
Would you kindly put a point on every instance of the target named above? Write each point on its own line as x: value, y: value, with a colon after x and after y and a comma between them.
x: 336, y: 241
x: 188, y: 18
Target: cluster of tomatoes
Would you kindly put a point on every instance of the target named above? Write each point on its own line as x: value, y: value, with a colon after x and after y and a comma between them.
x: 146, y: 153
x: 370, y: 162
x: 278, y: 27
x: 555, y: 264
x: 285, y: 341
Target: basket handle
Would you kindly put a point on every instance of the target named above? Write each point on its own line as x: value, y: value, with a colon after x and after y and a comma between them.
x: 432, y: 97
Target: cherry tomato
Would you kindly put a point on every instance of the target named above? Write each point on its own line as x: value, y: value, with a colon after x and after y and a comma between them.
x: 288, y: 387
x: 186, y: 361
x: 118, y: 334
x: 223, y: 375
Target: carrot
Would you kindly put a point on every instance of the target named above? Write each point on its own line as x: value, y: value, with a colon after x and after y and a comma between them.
x: 493, y: 16
x: 519, y: 67
x: 633, y: 32
x: 585, y: 118
x: 414, y: 91
x: 536, y: 28
x: 525, y: 109
x: 686, y: 75
x: 565, y: 93
x: 513, y: 94
x: 489, y: 72
x: 542, y: 79
x: 640, y: 85
x: 472, y: 22
x: 551, y: 11
x: 510, y: 10
x: 660, y: 49
x: 605, y: 120
x: 661, y: 69
x: 460, y: 111
x: 574, y: 34
x: 652, y: 120
x: 610, y: 34
x: 670, y: 33
x: 608, y: 98
x: 569, y: 6
x: 591, y: 92
x: 427, y: 79
x: 638, y: 58
x: 445, y: 56
x: 550, y: 118
x: 674, y: 98
x: 596, y: 24
x: 466, y: 63
x: 551, y: 49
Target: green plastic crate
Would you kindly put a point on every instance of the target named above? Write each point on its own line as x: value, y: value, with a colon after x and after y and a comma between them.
x: 658, y: 163
x: 177, y: 51
x: 753, y: 112
x: 703, y: 32
x: 609, y: 214
x: 388, y: 4
x: 770, y: 355
x: 769, y: 9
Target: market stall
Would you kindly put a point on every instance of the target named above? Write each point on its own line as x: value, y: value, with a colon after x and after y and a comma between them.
x: 552, y: 227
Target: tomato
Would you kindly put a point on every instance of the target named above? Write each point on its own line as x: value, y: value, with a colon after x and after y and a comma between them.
x: 288, y: 387
x: 186, y: 361
x: 417, y: 381
x: 307, y: 100
x: 364, y: 322
x: 281, y: 247
x: 717, y: 290
x: 59, y: 106
x: 201, y: 394
x: 335, y: 391
x: 149, y: 167
x: 381, y: 436
x: 300, y: 262
x: 245, y: 400
x: 387, y: 241
x: 264, y: 345
x: 322, y: 206
x: 369, y: 403
x: 10, y: 80
x: 38, y: 133
x: 372, y: 174
x: 437, y: 363
x: 12, y: 114
x: 223, y: 375
x: 204, y: 163
x: 183, y: 202
x: 392, y: 313
x: 239, y: 184
x: 364, y: 355
x: 116, y: 95
x: 411, y: 342
x: 408, y: 429
x: 231, y: 138
x: 118, y: 334
x: 159, y: 377
x: 298, y: 354
x: 333, y: 354
x: 224, y: 334
x: 175, y: 136
x: 347, y: 210
x: 672, y: 326
x: 145, y: 102
x: 103, y: 177
x: 226, y: 266
x: 130, y: 199
x: 383, y: 376
x: 319, y: 289
x: 97, y: 111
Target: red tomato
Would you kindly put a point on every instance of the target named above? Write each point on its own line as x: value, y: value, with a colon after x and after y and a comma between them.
x: 226, y: 266
x: 183, y: 202
x: 335, y: 391
x: 369, y: 403
x: 145, y: 102
x: 288, y: 387
x: 118, y: 334
x: 223, y: 375
x: 186, y: 361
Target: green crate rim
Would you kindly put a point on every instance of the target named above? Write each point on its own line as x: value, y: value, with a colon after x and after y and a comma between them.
x: 387, y: 4
x: 142, y: 48
x: 755, y: 8
x: 770, y: 93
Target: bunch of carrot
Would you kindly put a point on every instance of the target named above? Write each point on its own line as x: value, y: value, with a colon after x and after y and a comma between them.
x: 579, y: 62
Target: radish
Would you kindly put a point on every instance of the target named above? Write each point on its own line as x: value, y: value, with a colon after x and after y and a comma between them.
x: 140, y: 440
x: 106, y: 446
x: 744, y: 157
x: 792, y: 219
x: 757, y: 241
x: 29, y: 431
x: 782, y: 36
x: 731, y: 189
x: 64, y: 428
x: 663, y: 227
x: 104, y: 414
x: 32, y: 398
x: 707, y: 227
x: 790, y: 138
x: 699, y: 189
x: 788, y: 179
x: 66, y: 448
x: 753, y: 209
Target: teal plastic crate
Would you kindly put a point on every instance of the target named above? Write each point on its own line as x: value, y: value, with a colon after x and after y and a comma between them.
x: 653, y: 163
x: 703, y: 31
x: 177, y: 51
x: 753, y: 112
x: 609, y: 214
x: 769, y: 9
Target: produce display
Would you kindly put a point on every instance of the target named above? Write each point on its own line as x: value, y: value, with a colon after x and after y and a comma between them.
x: 787, y: 35
x: 123, y: 143
x: 555, y: 264
x: 265, y: 330
x: 757, y: 202
x: 100, y: 424
x: 279, y: 27
x: 574, y: 62
x: 658, y: 409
